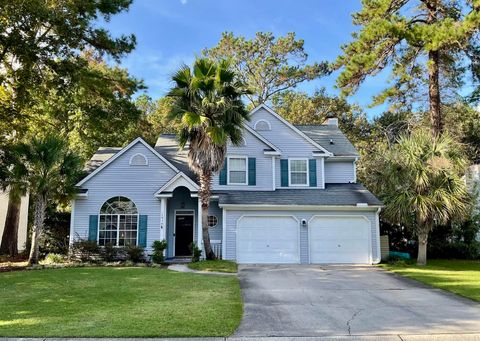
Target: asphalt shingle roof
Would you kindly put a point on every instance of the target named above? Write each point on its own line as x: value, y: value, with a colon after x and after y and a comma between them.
x: 167, y: 146
x: 101, y: 155
x: 333, y: 194
x: 329, y: 137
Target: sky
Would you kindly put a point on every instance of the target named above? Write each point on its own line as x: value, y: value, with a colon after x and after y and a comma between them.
x: 172, y: 32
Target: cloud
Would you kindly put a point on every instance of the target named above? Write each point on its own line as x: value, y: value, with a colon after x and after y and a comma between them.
x: 183, y: 2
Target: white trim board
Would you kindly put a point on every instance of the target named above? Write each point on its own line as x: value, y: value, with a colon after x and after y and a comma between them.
x: 288, y: 124
x: 120, y: 153
x: 193, y: 187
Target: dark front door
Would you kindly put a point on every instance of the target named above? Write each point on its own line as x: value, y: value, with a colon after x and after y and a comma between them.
x: 183, y: 234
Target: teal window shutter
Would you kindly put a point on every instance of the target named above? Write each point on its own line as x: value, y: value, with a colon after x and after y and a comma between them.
x: 222, y: 178
x: 312, y: 169
x: 284, y: 172
x: 142, y: 231
x: 252, y: 171
x: 93, y: 228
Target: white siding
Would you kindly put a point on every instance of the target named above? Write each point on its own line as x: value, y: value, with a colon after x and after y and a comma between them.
x: 138, y: 183
x: 232, y: 217
x: 283, y: 137
x: 253, y: 148
x: 290, y: 143
x: 339, y: 172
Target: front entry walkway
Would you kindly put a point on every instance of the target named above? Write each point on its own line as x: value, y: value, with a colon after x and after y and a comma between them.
x: 305, y: 301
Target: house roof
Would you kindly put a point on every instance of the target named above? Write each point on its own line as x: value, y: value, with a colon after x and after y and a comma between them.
x: 322, y: 134
x: 100, y: 156
x: 167, y: 145
x: 332, y: 195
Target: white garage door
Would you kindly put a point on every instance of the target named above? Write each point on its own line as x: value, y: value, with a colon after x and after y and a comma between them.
x: 339, y: 240
x: 262, y: 239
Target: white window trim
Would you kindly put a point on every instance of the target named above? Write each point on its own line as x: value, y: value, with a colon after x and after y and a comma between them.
x: 229, y: 169
x: 216, y: 218
x: 290, y: 172
x: 262, y: 120
x: 138, y: 154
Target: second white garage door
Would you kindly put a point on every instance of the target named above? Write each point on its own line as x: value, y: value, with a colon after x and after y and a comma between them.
x: 262, y: 239
x: 339, y: 240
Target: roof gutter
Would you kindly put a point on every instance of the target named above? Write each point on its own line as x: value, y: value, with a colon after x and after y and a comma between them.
x: 256, y: 207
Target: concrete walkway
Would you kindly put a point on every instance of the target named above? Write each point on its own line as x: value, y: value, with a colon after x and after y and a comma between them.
x: 185, y: 268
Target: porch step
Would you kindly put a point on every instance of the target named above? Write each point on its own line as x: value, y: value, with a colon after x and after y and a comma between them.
x: 178, y: 260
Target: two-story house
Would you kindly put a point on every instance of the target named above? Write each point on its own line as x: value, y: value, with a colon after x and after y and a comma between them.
x: 287, y: 194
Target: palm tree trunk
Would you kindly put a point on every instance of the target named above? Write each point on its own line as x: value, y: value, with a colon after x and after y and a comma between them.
x: 422, y: 248
x: 436, y: 120
x: 205, y: 194
x: 9, y: 245
x: 38, y: 221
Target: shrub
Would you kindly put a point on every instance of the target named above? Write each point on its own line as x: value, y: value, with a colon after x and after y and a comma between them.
x: 54, y: 258
x: 158, y: 249
x: 110, y: 253
x: 135, y: 253
x: 454, y: 250
x: 86, y: 250
x: 196, y: 252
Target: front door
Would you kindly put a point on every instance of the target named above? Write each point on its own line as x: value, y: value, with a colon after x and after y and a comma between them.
x: 183, y: 234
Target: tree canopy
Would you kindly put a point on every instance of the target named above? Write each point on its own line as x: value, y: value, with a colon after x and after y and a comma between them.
x: 267, y: 65
x: 427, y: 45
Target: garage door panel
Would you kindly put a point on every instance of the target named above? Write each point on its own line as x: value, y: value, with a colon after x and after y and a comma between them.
x: 264, y: 239
x: 339, y: 240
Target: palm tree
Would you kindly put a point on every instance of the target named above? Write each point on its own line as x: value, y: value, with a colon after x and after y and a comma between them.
x: 422, y: 184
x: 48, y: 170
x: 208, y: 102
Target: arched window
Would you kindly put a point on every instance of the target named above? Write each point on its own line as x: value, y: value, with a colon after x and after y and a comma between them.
x: 138, y: 160
x: 118, y: 222
x: 262, y: 125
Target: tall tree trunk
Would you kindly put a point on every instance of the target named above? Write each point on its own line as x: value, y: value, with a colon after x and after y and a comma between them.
x: 436, y: 120
x: 205, y: 194
x: 38, y: 221
x: 9, y: 245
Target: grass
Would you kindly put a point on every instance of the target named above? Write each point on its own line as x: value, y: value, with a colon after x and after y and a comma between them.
x: 461, y: 277
x: 117, y: 302
x: 214, y: 265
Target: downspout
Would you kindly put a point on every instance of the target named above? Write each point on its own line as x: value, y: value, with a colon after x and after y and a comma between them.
x: 377, y: 221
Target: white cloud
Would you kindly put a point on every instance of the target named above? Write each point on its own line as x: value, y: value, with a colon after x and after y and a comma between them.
x: 183, y: 2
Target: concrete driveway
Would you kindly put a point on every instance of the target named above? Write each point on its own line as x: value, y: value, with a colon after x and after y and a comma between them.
x: 347, y: 300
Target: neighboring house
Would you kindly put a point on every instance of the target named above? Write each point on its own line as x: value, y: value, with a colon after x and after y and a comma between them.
x: 287, y: 194
x: 23, y: 223
x: 472, y: 180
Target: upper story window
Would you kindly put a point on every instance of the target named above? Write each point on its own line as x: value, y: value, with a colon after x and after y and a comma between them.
x: 237, y: 170
x: 262, y: 125
x: 138, y: 160
x: 298, y: 169
x: 212, y: 221
x: 118, y: 222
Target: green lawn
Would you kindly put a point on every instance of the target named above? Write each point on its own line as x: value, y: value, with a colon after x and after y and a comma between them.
x: 459, y: 276
x: 117, y: 302
x: 214, y: 265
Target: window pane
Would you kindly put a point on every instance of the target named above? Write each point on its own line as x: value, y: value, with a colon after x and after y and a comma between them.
x: 238, y: 177
x: 238, y: 164
x: 298, y: 178
x: 298, y: 165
